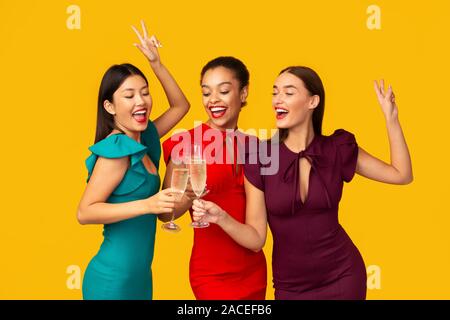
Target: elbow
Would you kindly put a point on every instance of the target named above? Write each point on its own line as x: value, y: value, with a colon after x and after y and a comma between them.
x: 81, y: 217
x: 258, y: 247
x: 402, y: 177
x: 181, y: 107
x: 186, y: 108
x: 407, y: 179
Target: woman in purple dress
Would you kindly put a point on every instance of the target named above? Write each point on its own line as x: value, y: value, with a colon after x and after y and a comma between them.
x: 313, y: 257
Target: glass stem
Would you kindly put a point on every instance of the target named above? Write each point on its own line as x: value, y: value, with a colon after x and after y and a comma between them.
x: 199, y: 221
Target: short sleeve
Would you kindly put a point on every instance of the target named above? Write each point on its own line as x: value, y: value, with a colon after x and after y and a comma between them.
x: 252, y: 170
x: 119, y: 146
x: 347, y: 153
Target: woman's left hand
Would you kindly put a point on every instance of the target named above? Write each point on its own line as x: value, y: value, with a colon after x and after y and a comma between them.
x: 148, y: 46
x: 386, y: 100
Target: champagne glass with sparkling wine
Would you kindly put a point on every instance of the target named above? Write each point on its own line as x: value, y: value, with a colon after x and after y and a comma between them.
x: 178, y: 183
x: 197, y: 168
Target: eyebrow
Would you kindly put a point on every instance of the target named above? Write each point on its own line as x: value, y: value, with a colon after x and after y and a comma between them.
x: 131, y: 89
x: 286, y: 87
x: 225, y: 82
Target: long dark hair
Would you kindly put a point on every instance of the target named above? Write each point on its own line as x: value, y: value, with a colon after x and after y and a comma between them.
x: 111, y: 81
x: 314, y: 85
x: 231, y: 63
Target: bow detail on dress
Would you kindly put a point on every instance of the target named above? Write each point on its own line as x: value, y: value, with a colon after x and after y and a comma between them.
x: 292, y: 174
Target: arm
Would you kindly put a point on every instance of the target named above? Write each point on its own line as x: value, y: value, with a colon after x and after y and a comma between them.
x: 399, y: 171
x: 178, y: 103
x: 251, y: 234
x: 182, y: 206
x: 106, y: 176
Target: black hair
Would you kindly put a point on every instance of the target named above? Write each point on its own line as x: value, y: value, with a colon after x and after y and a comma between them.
x: 237, y: 66
x: 111, y: 81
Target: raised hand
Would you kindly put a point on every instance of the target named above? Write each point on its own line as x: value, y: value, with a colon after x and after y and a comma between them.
x: 386, y: 100
x: 148, y: 46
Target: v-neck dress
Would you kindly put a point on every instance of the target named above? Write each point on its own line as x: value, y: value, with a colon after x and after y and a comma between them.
x: 313, y: 257
x: 220, y: 268
x: 121, y: 270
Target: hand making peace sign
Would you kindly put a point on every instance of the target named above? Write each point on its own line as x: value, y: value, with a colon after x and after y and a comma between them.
x: 386, y: 99
x: 148, y: 46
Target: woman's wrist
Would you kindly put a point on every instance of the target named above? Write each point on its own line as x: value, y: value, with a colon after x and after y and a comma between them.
x: 156, y: 65
x: 222, y: 218
x: 149, y: 204
x: 391, y: 120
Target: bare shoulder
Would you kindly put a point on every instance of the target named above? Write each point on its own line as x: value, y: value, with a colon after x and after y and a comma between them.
x: 112, y: 167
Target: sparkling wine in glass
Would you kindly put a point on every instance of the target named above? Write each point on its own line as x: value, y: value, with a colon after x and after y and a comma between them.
x: 197, y: 174
x: 178, y: 184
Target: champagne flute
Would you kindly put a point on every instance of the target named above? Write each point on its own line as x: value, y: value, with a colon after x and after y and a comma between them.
x: 178, y: 183
x: 197, y: 175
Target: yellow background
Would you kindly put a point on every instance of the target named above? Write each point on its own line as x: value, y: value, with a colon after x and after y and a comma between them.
x: 49, y: 82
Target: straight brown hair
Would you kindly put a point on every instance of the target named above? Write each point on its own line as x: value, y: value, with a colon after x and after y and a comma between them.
x: 314, y: 85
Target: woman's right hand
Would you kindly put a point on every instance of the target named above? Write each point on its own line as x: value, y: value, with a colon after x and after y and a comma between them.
x: 207, y: 211
x: 162, y: 202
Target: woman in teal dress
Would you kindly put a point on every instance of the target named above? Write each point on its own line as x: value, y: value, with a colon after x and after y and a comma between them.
x: 123, y: 181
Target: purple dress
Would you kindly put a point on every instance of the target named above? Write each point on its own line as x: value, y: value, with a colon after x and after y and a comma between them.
x: 313, y: 257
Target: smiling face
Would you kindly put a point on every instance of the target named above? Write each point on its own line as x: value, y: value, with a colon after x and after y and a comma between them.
x: 292, y: 102
x: 222, y: 97
x: 131, y: 105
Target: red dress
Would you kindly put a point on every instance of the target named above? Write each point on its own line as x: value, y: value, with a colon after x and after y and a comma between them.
x: 220, y: 268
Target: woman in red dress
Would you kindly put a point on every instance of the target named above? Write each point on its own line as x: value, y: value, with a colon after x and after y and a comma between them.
x: 220, y: 268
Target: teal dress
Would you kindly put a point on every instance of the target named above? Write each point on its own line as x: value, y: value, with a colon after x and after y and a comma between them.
x: 121, y: 270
